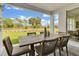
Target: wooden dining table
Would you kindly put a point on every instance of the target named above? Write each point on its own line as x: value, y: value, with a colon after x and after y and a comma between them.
x: 31, y: 40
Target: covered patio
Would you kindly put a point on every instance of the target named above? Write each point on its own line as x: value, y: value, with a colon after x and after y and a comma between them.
x: 61, y: 9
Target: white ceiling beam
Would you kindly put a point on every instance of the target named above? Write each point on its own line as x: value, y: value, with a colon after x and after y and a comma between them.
x: 25, y: 5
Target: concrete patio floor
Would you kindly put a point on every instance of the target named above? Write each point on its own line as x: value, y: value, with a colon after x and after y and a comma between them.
x: 73, y: 48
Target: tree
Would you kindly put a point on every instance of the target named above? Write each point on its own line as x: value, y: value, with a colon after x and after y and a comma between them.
x: 31, y: 21
x: 8, y: 23
x: 38, y: 21
x: 21, y: 22
x: 35, y: 22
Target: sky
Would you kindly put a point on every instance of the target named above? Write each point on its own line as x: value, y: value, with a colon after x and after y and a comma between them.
x: 24, y: 14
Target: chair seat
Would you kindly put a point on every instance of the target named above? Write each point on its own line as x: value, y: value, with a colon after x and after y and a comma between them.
x: 20, y: 50
x: 48, y: 48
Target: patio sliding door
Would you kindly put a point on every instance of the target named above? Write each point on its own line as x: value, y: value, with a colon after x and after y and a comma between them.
x: 71, y: 24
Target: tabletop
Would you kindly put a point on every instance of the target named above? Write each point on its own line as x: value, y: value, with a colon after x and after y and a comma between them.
x: 28, y: 40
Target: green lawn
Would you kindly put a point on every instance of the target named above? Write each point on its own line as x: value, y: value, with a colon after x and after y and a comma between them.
x: 15, y: 35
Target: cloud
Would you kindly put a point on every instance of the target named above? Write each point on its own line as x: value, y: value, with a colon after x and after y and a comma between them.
x: 13, y: 7
x: 28, y: 18
x: 43, y: 22
x: 17, y: 8
x: 22, y: 17
x: 12, y: 18
x: 56, y: 19
x: 56, y: 22
x: 7, y: 7
x: 45, y: 15
x: 49, y: 22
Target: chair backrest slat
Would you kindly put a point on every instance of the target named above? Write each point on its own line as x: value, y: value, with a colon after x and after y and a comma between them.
x: 8, y: 45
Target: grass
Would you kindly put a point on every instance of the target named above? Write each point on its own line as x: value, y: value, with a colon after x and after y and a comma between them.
x: 15, y: 35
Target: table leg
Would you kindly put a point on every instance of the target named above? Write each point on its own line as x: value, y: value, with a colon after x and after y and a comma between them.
x: 32, y: 53
x: 59, y: 51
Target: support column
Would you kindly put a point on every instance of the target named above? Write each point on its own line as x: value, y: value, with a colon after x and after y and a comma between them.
x: 52, y: 23
x: 62, y: 20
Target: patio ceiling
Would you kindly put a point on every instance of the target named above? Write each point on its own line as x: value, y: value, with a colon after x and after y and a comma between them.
x: 50, y: 6
x: 73, y: 12
x: 42, y: 7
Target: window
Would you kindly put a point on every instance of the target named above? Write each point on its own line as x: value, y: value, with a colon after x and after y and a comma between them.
x: 71, y: 23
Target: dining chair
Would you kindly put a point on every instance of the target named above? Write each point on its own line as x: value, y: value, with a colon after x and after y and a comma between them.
x: 73, y: 34
x: 63, y: 42
x: 46, y: 47
x: 41, y: 32
x: 32, y: 33
x: 14, y: 51
x: 78, y: 34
